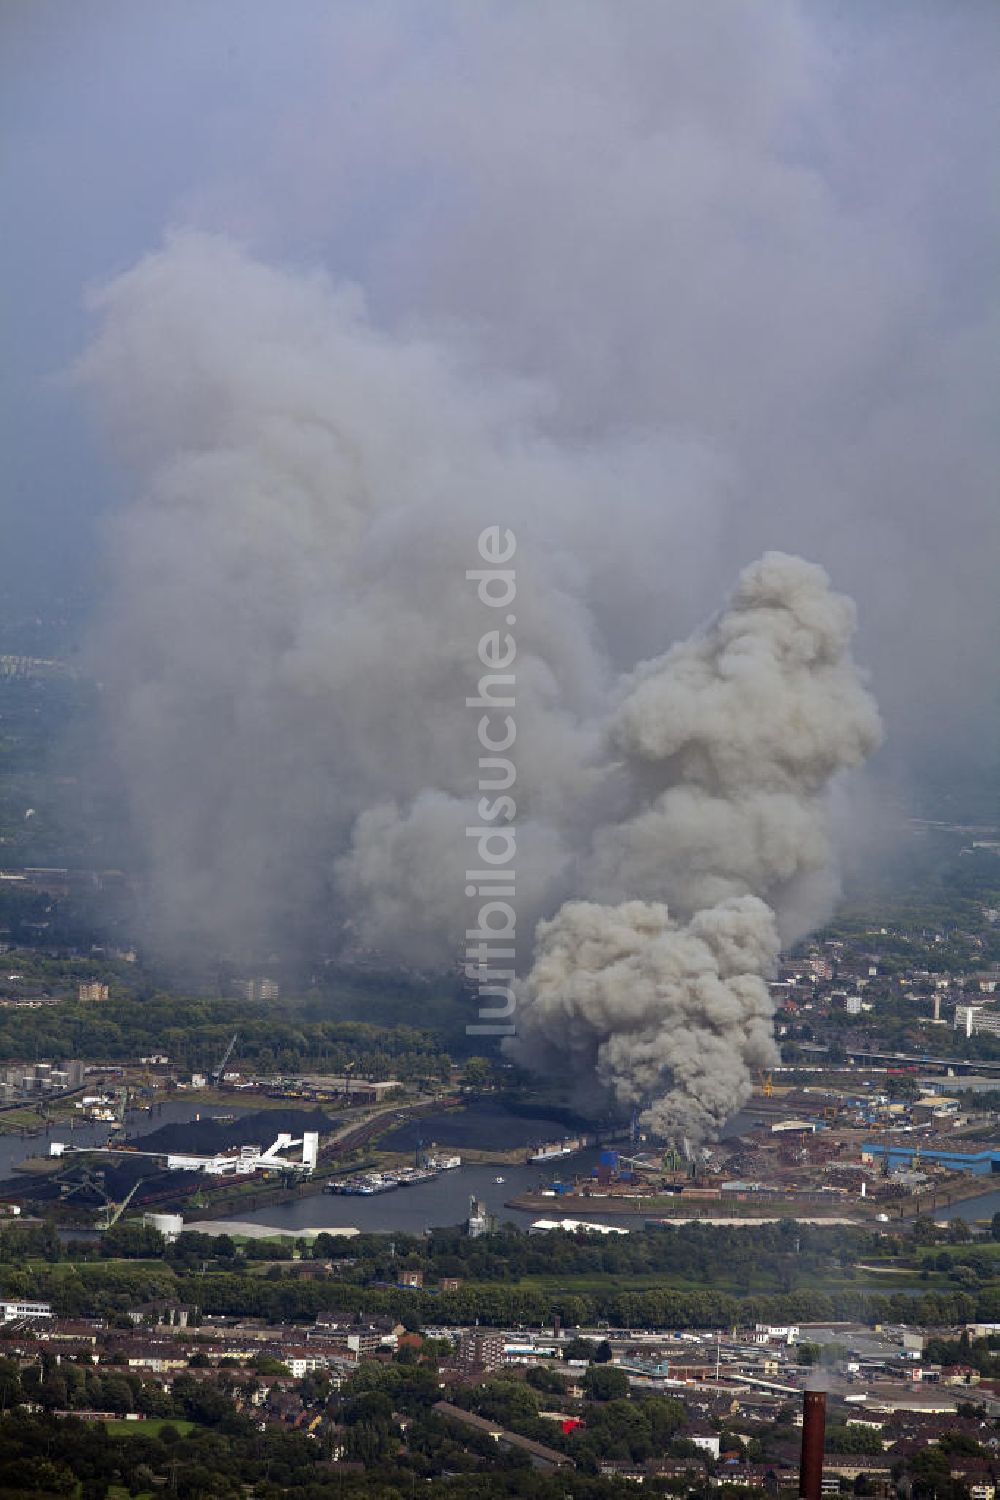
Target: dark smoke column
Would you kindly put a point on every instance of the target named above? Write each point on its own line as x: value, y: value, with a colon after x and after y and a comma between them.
x: 813, y: 1434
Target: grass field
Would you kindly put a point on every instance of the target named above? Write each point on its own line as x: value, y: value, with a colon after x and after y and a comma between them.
x: 93, y: 1268
x: 988, y: 1248
x: 119, y: 1427
x: 910, y: 1280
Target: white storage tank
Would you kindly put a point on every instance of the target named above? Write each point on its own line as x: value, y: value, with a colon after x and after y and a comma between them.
x: 169, y: 1225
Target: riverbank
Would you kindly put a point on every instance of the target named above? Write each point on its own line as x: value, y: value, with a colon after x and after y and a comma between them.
x: 677, y: 1206
x: 931, y: 1202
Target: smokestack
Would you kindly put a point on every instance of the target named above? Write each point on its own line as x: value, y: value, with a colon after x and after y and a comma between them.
x: 813, y: 1434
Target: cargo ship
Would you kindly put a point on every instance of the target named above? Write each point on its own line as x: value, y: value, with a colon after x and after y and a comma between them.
x: 553, y: 1149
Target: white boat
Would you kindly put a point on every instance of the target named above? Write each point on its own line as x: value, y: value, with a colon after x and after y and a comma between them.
x: 444, y: 1163
x: 499, y: 1179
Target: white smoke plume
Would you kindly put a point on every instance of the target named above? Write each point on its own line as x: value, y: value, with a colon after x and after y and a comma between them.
x: 289, y: 638
x: 670, y: 1017
x: 730, y: 740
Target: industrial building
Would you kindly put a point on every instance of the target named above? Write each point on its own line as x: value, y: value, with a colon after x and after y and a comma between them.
x: 241, y: 1162
x: 984, y: 1162
x: 968, y: 1083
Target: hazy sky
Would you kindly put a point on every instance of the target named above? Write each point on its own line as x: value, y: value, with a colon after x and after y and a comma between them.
x: 768, y: 230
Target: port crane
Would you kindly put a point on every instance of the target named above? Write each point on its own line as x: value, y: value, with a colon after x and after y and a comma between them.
x: 217, y: 1073
x: 94, y: 1182
x: 766, y: 1084
x: 112, y: 1213
x: 86, y: 1181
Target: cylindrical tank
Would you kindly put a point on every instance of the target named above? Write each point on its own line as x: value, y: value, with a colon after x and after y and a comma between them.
x: 169, y: 1225
x: 813, y: 1435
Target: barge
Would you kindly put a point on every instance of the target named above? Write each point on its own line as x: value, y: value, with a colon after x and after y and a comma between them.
x: 366, y: 1185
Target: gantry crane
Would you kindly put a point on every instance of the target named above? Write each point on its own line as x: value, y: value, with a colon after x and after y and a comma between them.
x: 217, y: 1073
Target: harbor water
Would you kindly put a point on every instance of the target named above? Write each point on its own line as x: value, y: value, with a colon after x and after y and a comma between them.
x: 435, y: 1204
x: 440, y: 1201
x: 445, y: 1200
x: 971, y: 1209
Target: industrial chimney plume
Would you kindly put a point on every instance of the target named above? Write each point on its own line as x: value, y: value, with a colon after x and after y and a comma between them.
x: 813, y: 1435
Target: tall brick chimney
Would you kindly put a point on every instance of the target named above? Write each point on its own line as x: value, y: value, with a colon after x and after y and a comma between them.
x: 813, y: 1435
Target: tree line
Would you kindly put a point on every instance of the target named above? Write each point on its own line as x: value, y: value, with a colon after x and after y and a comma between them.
x: 193, y: 1033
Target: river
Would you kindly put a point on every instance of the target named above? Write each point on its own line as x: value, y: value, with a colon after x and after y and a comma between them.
x: 428, y: 1205
x: 971, y: 1208
x: 445, y: 1200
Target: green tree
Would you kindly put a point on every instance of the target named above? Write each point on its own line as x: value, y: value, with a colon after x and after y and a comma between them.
x: 478, y: 1072
x: 10, y: 1384
x: 605, y: 1383
x: 580, y: 1349
x: 133, y: 1242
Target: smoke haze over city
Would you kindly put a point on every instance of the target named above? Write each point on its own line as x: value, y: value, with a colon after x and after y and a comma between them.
x: 699, y: 302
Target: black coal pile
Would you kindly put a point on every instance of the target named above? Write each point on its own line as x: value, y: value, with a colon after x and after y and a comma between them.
x: 205, y: 1137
